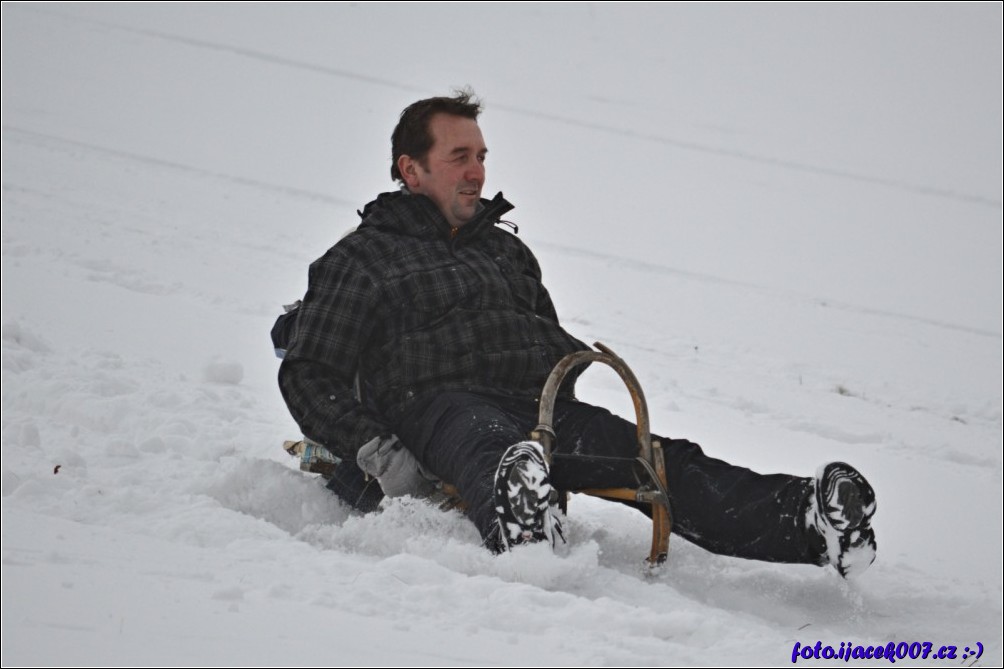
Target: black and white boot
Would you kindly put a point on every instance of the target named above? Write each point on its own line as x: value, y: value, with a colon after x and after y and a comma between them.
x: 841, y: 507
x: 524, y: 498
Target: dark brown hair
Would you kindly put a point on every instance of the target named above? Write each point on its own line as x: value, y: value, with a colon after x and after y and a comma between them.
x: 412, y: 138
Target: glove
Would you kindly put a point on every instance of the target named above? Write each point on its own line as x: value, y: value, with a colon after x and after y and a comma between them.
x: 395, y: 468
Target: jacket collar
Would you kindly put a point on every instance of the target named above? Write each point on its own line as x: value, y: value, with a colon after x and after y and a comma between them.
x: 418, y: 216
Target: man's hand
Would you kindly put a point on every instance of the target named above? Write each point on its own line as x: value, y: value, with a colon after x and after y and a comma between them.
x: 395, y: 468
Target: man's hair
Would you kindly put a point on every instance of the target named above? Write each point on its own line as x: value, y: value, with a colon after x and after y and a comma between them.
x: 412, y: 138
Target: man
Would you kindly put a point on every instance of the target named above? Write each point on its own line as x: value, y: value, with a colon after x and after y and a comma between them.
x: 425, y: 338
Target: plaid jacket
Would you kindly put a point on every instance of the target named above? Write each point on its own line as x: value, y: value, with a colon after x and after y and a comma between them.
x: 416, y: 311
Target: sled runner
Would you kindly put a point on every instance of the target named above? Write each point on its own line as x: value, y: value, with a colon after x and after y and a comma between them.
x: 639, y: 481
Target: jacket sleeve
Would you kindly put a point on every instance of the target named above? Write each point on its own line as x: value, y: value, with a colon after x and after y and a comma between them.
x: 317, y: 375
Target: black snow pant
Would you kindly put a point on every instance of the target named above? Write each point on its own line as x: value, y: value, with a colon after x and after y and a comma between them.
x: 723, y: 508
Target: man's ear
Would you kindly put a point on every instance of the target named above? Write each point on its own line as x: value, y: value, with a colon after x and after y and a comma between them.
x: 409, y: 169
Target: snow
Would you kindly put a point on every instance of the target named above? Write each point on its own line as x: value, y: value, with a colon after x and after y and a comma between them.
x: 786, y: 219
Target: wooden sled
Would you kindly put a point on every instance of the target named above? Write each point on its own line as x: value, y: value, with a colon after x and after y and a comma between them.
x: 641, y: 480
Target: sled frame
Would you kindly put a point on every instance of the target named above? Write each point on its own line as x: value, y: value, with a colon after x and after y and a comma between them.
x: 650, y: 455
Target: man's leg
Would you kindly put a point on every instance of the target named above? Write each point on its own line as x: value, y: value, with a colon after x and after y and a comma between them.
x: 461, y: 438
x: 723, y: 508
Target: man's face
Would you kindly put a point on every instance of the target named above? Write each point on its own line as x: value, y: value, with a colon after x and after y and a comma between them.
x: 453, y: 171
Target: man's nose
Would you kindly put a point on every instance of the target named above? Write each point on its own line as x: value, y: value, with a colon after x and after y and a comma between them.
x: 475, y: 172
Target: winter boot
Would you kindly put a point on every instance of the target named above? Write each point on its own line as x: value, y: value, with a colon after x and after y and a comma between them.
x: 524, y: 498
x: 841, y: 506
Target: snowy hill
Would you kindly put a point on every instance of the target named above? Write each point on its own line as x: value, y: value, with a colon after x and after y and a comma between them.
x: 787, y: 220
